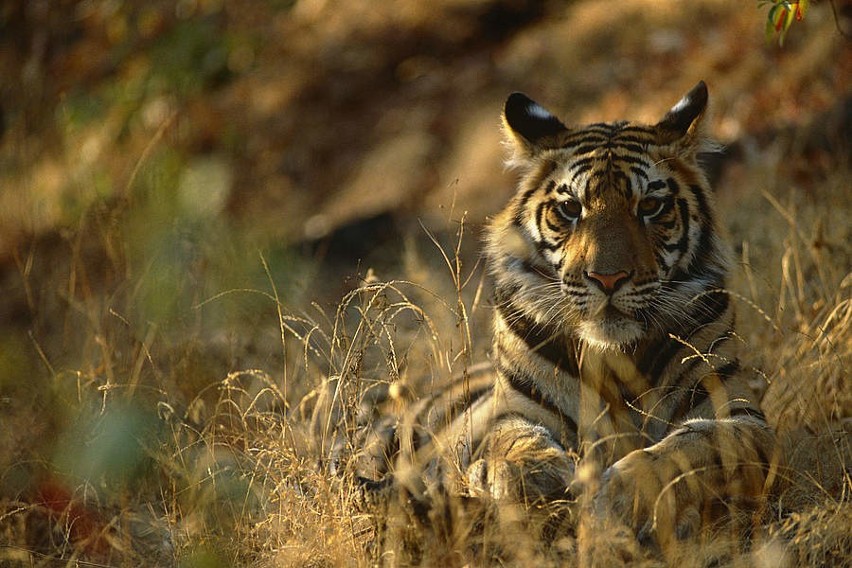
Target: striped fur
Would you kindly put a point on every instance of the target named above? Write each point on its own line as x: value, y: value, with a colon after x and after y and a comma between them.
x: 614, y: 340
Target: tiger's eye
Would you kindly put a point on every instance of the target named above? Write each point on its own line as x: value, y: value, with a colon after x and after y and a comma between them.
x: 570, y: 210
x: 649, y: 206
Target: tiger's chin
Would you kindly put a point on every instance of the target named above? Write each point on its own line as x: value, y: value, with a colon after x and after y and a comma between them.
x: 610, y: 333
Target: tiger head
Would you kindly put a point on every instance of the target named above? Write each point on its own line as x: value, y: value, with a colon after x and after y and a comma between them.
x: 611, y: 236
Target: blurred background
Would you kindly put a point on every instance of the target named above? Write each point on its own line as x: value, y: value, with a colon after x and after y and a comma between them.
x: 168, y: 169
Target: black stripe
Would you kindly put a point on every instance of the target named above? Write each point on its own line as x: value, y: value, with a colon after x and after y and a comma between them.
x: 703, y: 209
x: 683, y: 243
x: 446, y: 412
x: 674, y: 188
x: 697, y: 397
x: 544, y: 245
x: 529, y: 267
x: 625, y: 137
x: 518, y: 220
x: 540, y: 340
x: 527, y: 195
x: 626, y: 145
x: 710, y: 307
x: 642, y: 131
x: 705, y: 245
x: 622, y: 181
x: 522, y: 203
x: 694, y: 397
x: 684, y: 371
x: 655, y: 360
x: 583, y: 165
x: 748, y: 411
x: 728, y: 370
x: 639, y: 172
x: 699, y: 393
x: 703, y: 310
x: 509, y: 414
x: 580, y: 170
x: 668, y: 205
x: 506, y: 291
x: 599, y: 130
x: 584, y: 139
x: 641, y: 142
x: 589, y: 148
x: 530, y: 392
x: 541, y: 217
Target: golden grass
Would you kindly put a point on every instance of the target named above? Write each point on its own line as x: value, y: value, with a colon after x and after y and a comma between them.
x: 150, y: 468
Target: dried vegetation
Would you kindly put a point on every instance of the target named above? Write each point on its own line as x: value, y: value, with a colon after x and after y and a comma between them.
x: 204, y: 208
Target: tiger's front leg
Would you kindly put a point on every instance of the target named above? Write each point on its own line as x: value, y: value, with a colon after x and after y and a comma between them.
x: 694, y: 477
x: 521, y: 462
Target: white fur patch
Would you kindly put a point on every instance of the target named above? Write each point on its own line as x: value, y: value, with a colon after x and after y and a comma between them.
x: 681, y: 104
x: 537, y: 111
x: 606, y: 335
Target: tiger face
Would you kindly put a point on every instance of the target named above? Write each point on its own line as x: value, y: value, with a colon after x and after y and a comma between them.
x: 611, y: 221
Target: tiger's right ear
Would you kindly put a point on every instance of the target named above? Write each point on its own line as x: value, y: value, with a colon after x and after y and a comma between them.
x: 529, y: 127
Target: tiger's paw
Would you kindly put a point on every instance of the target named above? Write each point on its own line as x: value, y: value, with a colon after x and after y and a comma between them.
x: 522, y: 463
x: 494, y: 480
x: 525, y: 482
x: 659, y: 498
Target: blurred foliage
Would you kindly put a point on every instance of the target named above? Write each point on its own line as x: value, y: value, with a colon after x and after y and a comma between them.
x: 781, y: 15
x: 203, y: 557
x: 192, y: 57
x: 111, y: 449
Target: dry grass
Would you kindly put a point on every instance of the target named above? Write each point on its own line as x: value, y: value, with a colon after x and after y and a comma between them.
x: 158, y: 374
x: 236, y: 475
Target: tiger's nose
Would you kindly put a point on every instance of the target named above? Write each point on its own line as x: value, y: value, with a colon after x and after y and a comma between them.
x: 609, y: 283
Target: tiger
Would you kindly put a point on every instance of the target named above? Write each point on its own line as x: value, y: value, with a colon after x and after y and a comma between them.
x: 614, y: 344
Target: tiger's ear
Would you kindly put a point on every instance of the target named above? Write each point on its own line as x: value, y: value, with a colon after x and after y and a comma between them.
x: 682, y: 124
x: 529, y: 127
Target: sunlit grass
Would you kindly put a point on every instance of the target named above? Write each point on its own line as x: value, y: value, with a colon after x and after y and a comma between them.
x: 158, y: 458
x: 161, y: 360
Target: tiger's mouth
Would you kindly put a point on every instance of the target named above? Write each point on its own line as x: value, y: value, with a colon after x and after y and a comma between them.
x: 611, y: 312
x: 610, y: 328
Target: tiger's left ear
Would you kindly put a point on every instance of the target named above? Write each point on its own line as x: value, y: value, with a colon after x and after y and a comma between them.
x: 682, y: 124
